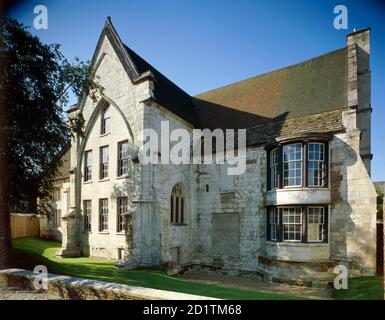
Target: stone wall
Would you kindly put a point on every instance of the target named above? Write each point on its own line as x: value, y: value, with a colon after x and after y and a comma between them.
x: 353, y: 219
x: 221, y: 208
x: 241, y: 199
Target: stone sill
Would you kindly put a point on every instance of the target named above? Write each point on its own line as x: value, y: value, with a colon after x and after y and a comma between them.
x: 103, y: 180
x: 105, y: 134
x: 296, y: 244
x: 297, y: 188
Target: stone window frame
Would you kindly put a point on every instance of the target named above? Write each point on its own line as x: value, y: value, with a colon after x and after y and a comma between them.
x: 320, y: 163
x: 105, y: 122
x: 103, y: 215
x: 122, y: 211
x: 322, y: 223
x: 87, y: 215
x: 178, y: 205
x: 304, y: 223
x: 103, y: 165
x: 279, y: 146
x: 294, y: 157
x: 122, y: 161
x: 274, y: 168
x: 87, y: 166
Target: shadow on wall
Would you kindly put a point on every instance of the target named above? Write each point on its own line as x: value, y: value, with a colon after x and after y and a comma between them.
x: 350, y: 227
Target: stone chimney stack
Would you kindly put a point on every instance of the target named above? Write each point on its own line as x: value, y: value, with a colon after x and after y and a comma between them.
x: 359, y: 88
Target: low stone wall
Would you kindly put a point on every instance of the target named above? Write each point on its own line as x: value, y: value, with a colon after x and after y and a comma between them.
x: 84, y: 289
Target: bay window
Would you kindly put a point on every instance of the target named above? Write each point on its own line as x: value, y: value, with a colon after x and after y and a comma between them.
x: 292, y: 165
x: 274, y: 224
x: 297, y: 224
x: 292, y: 223
x: 274, y: 174
x: 299, y: 164
x: 316, y: 224
x: 316, y: 164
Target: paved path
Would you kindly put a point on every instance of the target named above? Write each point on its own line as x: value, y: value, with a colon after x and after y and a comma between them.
x: 250, y: 283
x: 7, y: 293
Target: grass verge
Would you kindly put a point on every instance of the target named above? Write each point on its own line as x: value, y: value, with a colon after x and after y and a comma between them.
x: 362, y: 288
x: 33, y: 251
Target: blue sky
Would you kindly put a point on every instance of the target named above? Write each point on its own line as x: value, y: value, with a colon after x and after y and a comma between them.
x: 202, y: 45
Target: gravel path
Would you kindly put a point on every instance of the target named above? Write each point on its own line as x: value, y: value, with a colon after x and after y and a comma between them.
x: 7, y: 293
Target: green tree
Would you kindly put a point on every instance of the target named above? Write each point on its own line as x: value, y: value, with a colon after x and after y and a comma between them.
x: 35, y: 81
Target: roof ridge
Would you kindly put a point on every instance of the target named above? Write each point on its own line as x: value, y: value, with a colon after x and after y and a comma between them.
x: 271, y: 72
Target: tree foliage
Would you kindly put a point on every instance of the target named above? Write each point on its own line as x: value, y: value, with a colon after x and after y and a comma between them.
x: 35, y: 82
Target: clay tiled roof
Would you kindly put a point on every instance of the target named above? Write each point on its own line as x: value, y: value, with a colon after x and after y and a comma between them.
x: 313, y: 86
x: 263, y: 104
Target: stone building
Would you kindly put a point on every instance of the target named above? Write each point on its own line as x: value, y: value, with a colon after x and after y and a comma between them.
x: 304, y: 205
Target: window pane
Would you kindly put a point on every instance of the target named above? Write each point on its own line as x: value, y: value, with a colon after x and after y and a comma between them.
x: 87, y: 215
x: 274, y: 224
x: 274, y: 168
x: 87, y: 166
x: 292, y: 224
x: 123, y: 158
x: 103, y: 214
x: 315, y: 227
x: 292, y: 164
x: 316, y: 165
x: 177, y: 204
x: 105, y: 120
x: 122, y: 211
x: 103, y: 162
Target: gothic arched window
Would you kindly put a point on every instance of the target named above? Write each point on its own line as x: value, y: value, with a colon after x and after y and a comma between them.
x: 178, y: 205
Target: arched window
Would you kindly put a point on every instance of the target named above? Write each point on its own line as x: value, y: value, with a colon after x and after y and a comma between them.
x: 178, y: 205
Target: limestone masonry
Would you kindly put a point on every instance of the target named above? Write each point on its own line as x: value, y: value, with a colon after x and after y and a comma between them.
x: 305, y: 204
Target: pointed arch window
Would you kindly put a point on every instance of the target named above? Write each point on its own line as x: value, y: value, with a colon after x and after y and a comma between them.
x: 178, y: 205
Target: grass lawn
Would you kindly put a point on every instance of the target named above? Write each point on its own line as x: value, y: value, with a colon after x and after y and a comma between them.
x: 362, y: 288
x: 33, y: 251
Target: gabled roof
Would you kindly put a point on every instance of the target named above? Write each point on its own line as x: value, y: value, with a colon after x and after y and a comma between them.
x: 311, y: 87
x: 166, y: 93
